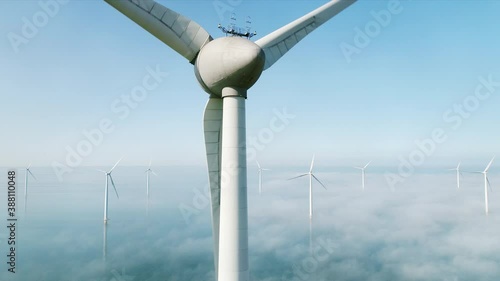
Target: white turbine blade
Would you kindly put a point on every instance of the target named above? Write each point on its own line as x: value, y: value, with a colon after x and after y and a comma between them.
x: 279, y: 42
x: 114, y: 187
x: 29, y: 166
x: 458, y: 167
x: 489, y: 165
x: 180, y: 33
x: 265, y: 169
x: 473, y: 172
x: 366, y: 165
x: 258, y: 165
x: 153, y: 172
x: 101, y: 171
x: 115, y: 165
x: 359, y: 168
x: 312, y: 165
x: 150, y: 161
x: 489, y: 185
x: 298, y: 177
x: 31, y: 174
x: 212, y: 127
x: 319, y: 181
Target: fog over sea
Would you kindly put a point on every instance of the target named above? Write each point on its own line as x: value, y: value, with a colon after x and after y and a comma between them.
x: 424, y: 229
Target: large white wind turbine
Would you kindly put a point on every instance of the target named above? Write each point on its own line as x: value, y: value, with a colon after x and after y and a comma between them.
x: 108, y: 179
x: 363, y: 174
x: 26, y: 176
x: 457, y: 169
x: 311, y: 176
x: 486, y: 184
x: 226, y: 68
x: 148, y: 171
x: 260, y: 176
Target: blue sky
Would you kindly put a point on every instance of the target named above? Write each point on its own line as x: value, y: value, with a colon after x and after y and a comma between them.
x: 394, y: 92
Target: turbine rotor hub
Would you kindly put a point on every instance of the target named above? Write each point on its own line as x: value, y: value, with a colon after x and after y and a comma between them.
x: 229, y: 62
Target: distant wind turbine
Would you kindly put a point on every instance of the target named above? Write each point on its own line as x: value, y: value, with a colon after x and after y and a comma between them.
x: 311, y: 176
x: 260, y: 176
x: 28, y: 171
x: 149, y: 171
x: 363, y: 174
x: 458, y: 173
x: 486, y: 184
x: 108, y: 178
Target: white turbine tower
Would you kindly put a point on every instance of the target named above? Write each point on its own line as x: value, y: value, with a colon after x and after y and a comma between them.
x: 148, y: 171
x: 105, y: 242
x: 486, y: 185
x: 311, y: 176
x: 260, y: 176
x: 363, y: 174
x: 457, y: 169
x: 108, y: 179
x: 226, y: 68
x: 26, y: 176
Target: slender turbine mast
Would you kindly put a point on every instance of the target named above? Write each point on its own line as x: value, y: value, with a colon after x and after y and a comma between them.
x: 108, y: 179
x: 105, y: 242
x: 28, y: 171
x: 457, y: 169
x: 148, y: 171
x: 226, y: 68
x: 260, y: 176
x: 311, y: 237
x: 363, y: 174
x: 311, y: 176
x: 486, y: 185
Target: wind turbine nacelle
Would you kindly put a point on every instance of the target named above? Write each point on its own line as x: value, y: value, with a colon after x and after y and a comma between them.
x: 229, y: 62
